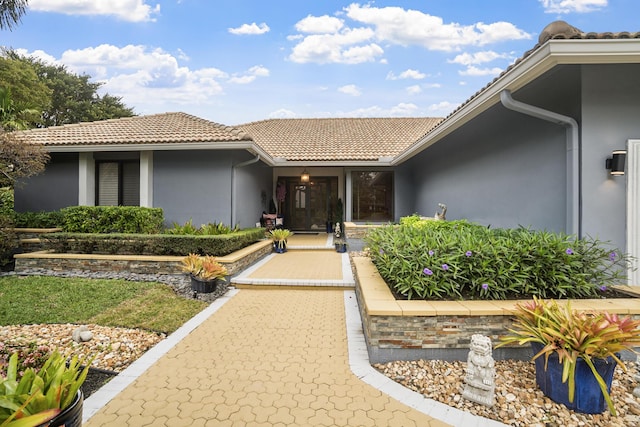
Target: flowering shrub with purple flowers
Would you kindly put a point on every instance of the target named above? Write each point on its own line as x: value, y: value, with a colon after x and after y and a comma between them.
x: 423, y: 259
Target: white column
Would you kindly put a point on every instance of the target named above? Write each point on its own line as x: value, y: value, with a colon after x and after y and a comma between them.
x: 633, y: 208
x: 86, y: 180
x: 146, y: 179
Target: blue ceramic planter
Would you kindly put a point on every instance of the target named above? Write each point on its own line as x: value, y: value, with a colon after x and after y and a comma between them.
x: 588, y: 397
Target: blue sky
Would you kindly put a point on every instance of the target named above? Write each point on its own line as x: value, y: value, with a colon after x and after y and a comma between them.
x: 240, y: 61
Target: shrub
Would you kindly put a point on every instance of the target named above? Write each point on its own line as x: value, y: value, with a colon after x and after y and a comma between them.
x: 209, y: 229
x: 8, y: 241
x: 457, y: 259
x: 42, y: 219
x: 6, y: 201
x: 112, y: 219
x: 150, y: 244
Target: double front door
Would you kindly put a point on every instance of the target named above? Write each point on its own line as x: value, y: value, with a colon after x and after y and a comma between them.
x: 309, y: 205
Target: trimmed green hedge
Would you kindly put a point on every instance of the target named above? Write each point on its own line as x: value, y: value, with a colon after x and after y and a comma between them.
x: 461, y: 260
x: 42, y: 219
x: 151, y: 244
x: 112, y: 219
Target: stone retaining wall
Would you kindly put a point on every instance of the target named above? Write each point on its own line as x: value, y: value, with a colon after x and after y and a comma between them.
x: 413, y: 330
x: 138, y: 264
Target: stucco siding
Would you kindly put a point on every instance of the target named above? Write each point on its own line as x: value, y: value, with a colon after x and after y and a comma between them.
x: 503, y: 169
x: 253, y: 192
x: 611, y: 115
x: 193, y: 185
x: 55, y: 188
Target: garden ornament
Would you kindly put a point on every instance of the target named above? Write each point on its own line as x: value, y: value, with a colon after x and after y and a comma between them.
x: 480, y: 375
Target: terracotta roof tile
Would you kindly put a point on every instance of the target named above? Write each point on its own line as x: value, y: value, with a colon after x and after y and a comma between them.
x: 151, y: 129
x: 337, y: 138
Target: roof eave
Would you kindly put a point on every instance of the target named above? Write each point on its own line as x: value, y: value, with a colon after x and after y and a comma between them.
x: 552, y: 53
x: 230, y: 145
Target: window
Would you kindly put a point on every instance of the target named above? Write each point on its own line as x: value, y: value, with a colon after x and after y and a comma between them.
x: 372, y: 196
x: 118, y: 183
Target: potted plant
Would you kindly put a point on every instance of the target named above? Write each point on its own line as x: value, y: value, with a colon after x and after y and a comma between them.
x: 581, y: 350
x: 205, y: 272
x: 279, y: 237
x: 340, y: 244
x: 50, y: 396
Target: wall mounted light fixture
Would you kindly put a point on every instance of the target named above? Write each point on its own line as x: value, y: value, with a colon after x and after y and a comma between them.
x: 305, y: 176
x: 616, y: 162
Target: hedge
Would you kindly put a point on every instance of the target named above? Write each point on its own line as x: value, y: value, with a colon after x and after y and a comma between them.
x: 112, y: 219
x: 151, y: 244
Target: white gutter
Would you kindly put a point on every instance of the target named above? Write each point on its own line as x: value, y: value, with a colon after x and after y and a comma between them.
x: 233, y: 186
x: 573, y: 221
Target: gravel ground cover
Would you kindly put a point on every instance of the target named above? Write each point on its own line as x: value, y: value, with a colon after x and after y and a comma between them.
x: 518, y: 401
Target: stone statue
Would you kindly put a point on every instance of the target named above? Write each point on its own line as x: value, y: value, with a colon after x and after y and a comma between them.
x: 441, y: 215
x: 480, y: 375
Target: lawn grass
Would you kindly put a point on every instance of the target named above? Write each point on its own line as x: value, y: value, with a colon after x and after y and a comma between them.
x: 38, y: 299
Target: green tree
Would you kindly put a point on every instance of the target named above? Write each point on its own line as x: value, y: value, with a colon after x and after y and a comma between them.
x: 70, y: 98
x: 10, y: 13
x: 13, y: 116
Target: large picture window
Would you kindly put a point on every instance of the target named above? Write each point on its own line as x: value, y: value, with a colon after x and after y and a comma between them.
x: 118, y: 183
x: 372, y: 196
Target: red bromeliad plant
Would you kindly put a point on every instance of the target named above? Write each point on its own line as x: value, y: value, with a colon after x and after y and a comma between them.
x: 573, y: 335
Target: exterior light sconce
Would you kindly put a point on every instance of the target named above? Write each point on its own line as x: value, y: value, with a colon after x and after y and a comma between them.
x: 305, y: 176
x: 615, y: 164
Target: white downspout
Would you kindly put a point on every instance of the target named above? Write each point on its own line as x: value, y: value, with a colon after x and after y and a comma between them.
x: 573, y: 222
x: 233, y: 186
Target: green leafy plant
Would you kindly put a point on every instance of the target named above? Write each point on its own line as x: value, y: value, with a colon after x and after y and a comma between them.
x: 280, y: 236
x: 209, y: 229
x: 39, y: 394
x: 573, y: 335
x: 428, y: 259
x: 112, y: 219
x: 203, y: 267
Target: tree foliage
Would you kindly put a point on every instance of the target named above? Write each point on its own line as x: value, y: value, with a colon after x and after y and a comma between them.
x: 19, y: 159
x: 10, y: 13
x: 62, y: 96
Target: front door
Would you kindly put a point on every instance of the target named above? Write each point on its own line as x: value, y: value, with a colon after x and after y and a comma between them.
x: 309, y: 205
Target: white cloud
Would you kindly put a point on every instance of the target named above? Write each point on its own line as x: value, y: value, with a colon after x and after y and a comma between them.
x: 442, y: 109
x: 283, y: 113
x: 407, y: 74
x: 250, y: 75
x: 349, y: 47
x: 350, y: 90
x: 412, y: 27
x: 477, y: 58
x: 319, y: 25
x: 404, y: 109
x: 475, y: 71
x: 414, y: 90
x: 569, y: 6
x: 147, y: 78
x: 126, y: 10
x: 250, y: 29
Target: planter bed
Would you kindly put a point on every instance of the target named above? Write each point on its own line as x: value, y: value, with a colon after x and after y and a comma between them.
x: 139, y: 264
x: 413, y: 330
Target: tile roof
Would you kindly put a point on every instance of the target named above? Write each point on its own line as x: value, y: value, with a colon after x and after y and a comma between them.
x: 330, y: 139
x: 151, y: 129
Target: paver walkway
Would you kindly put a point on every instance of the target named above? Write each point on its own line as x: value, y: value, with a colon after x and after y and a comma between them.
x: 265, y: 358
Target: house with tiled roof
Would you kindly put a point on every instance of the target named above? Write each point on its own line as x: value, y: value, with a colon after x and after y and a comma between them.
x: 530, y: 148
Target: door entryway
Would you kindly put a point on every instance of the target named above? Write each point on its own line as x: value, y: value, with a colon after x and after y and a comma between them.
x: 309, y: 205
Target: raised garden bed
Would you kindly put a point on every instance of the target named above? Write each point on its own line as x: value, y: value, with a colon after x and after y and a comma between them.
x: 413, y: 330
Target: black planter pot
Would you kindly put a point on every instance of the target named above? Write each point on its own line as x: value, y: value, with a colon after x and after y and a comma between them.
x: 203, y: 286
x: 341, y: 247
x: 71, y: 416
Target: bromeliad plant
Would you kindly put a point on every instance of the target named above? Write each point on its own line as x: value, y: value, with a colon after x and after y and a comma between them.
x: 279, y: 237
x: 203, y: 267
x: 573, y: 335
x: 34, y: 397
